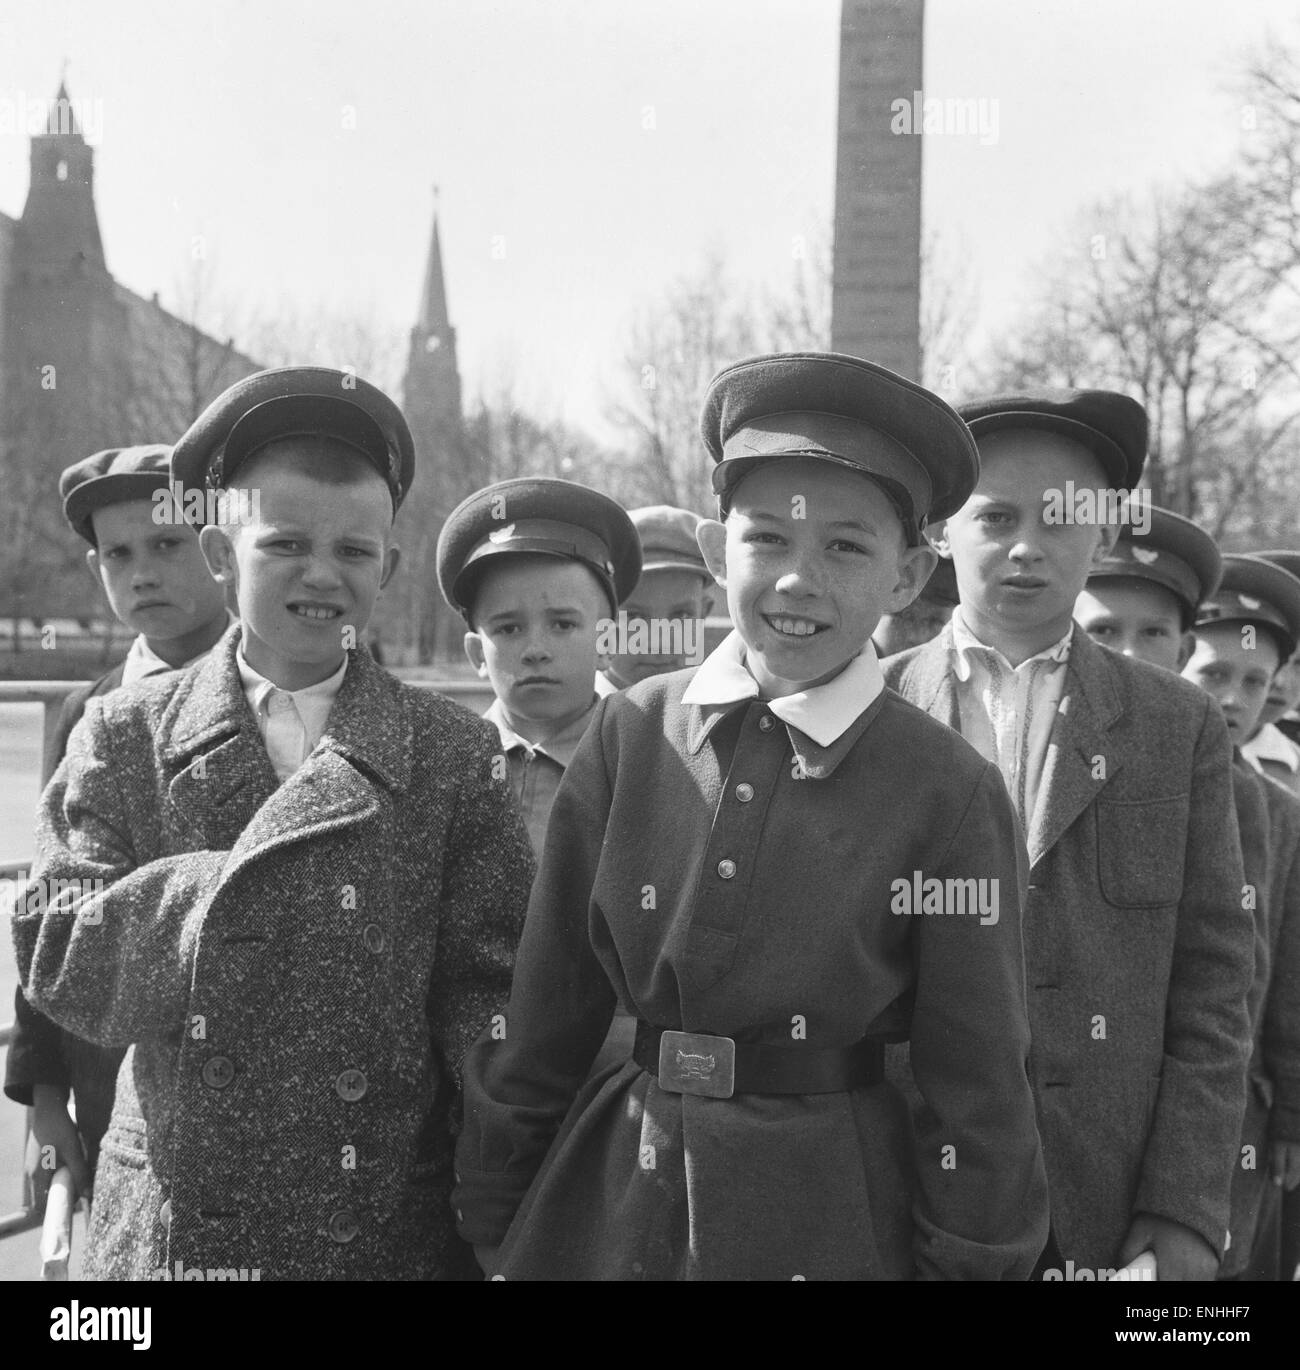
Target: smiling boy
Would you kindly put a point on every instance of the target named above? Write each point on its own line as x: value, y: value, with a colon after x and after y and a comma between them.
x: 1139, y: 953
x: 312, y: 884
x: 157, y: 583
x: 723, y: 863
x: 536, y: 566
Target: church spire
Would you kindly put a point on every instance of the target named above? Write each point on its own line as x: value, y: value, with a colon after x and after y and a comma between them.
x: 433, y: 318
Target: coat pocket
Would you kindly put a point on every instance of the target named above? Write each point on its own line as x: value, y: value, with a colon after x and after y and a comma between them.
x: 1141, y: 851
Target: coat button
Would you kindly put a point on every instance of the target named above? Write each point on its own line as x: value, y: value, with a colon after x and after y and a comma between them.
x: 351, y: 1086
x: 726, y: 869
x: 218, y: 1071
x: 343, y: 1226
x: 373, y: 936
x: 765, y: 724
x: 744, y: 792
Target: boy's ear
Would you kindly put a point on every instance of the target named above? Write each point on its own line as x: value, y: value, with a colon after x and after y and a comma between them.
x: 1186, y: 646
x: 219, y: 552
x: 711, y: 536
x: 474, y: 651
x: 391, y: 559
x: 936, y: 534
x: 915, y: 565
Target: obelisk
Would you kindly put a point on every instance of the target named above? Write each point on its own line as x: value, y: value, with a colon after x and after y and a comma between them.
x: 876, y: 284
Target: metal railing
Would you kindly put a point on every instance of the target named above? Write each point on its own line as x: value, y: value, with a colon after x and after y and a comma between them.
x: 474, y: 695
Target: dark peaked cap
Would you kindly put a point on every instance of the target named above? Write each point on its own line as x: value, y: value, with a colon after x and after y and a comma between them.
x: 112, y: 477
x: 1111, y: 426
x: 292, y: 402
x: 845, y: 410
x: 538, y: 516
x: 1257, y: 591
x: 1174, y: 552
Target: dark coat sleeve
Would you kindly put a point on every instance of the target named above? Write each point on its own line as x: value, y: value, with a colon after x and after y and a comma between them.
x: 1281, y: 1028
x: 35, y: 1053
x: 519, y: 1086
x: 979, y: 1159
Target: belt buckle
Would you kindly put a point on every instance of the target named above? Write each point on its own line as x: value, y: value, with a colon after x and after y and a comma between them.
x: 696, y: 1063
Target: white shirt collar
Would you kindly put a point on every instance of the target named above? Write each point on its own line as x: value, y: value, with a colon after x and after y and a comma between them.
x: 966, y: 643
x: 822, y: 713
x: 1272, y: 744
x: 142, y: 661
x: 559, y: 748
x: 309, y: 700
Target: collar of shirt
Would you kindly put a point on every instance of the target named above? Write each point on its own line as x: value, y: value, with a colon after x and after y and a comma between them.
x: 1272, y: 744
x: 604, y: 686
x: 559, y: 748
x: 822, y: 713
x: 313, y: 703
x: 966, y: 644
x: 142, y: 661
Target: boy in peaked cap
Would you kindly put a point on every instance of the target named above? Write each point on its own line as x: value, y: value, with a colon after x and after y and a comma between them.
x: 1277, y: 754
x: 156, y: 582
x: 705, y: 871
x: 660, y: 627
x: 538, y: 567
x: 1138, y: 951
x: 302, y: 882
x: 1249, y: 625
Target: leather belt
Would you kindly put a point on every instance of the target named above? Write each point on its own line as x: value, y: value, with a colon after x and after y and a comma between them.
x: 718, y: 1067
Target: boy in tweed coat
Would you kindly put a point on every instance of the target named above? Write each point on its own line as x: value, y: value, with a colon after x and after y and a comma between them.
x: 1139, y: 952
x: 156, y: 581
x: 296, y: 885
x: 732, y: 859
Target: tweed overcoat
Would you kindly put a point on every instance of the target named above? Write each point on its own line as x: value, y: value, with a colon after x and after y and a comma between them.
x: 300, y: 967
x: 1273, y: 1082
x: 717, y: 871
x: 1139, y: 951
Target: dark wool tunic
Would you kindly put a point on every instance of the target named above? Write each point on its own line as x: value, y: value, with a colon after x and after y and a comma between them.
x: 717, y: 871
x: 300, y: 967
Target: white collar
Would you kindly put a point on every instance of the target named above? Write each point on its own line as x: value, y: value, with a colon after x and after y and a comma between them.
x: 559, y: 748
x: 966, y: 643
x: 142, y: 661
x: 257, y: 687
x: 822, y: 713
x: 1272, y: 744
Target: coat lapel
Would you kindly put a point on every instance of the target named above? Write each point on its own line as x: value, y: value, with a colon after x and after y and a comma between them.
x: 224, y: 784
x: 1081, y: 757
x: 221, y: 773
x: 930, y: 683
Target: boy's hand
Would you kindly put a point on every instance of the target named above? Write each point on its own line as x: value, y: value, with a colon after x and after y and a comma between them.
x: 1284, y: 1164
x: 486, y: 1256
x: 52, y: 1125
x: 1181, y: 1254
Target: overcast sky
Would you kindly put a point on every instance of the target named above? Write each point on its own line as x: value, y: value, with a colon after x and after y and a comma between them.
x: 231, y: 120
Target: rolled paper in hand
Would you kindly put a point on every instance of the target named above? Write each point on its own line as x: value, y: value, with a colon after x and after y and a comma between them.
x: 1143, y: 1268
x: 56, y: 1234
